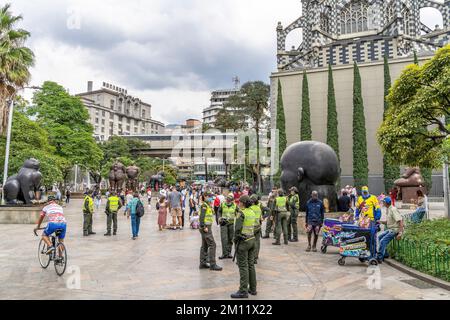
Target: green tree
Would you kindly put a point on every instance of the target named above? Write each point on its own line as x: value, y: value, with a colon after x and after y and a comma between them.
x: 332, y: 125
x: 360, y: 161
x: 391, y: 172
x: 414, y: 132
x: 15, y: 61
x: 281, y: 127
x: 66, y: 120
x: 251, y: 106
x: 305, y: 130
x: 29, y: 140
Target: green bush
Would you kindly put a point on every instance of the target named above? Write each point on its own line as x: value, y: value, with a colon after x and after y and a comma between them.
x: 425, y: 247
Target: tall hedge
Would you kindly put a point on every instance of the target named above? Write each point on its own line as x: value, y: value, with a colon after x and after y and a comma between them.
x: 281, y: 122
x: 305, y: 130
x: 391, y: 172
x: 360, y: 161
x: 332, y: 122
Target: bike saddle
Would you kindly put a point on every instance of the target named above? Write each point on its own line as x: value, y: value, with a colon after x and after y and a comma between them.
x: 58, y: 232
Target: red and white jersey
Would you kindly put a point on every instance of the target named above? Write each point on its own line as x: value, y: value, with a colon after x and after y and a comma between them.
x: 54, y: 213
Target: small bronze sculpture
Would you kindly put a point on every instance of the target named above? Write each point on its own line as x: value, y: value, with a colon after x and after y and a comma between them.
x: 132, y: 175
x: 24, y: 187
x: 157, y: 181
x: 311, y: 166
x: 117, y: 176
x: 411, y: 178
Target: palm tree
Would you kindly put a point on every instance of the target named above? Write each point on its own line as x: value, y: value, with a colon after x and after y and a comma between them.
x: 15, y: 61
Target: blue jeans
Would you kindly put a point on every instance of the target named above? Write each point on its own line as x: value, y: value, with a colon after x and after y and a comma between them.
x: 384, y: 239
x: 135, y: 223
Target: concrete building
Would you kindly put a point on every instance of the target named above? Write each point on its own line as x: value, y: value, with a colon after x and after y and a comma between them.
x: 190, y: 151
x: 341, y: 32
x: 113, y: 112
x: 191, y: 126
x: 218, y: 100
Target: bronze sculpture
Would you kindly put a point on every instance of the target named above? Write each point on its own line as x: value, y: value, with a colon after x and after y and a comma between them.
x: 411, y: 178
x: 132, y: 175
x: 157, y: 181
x: 24, y: 186
x: 311, y: 166
x: 117, y: 176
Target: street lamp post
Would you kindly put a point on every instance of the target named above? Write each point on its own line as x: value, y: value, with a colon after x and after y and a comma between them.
x: 8, y: 143
x: 446, y: 190
x: 8, y: 139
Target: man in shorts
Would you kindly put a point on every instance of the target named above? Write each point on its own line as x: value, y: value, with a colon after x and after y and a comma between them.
x: 56, y: 221
x: 175, y: 205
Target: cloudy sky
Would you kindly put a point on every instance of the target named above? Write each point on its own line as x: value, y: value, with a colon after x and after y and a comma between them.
x: 170, y: 53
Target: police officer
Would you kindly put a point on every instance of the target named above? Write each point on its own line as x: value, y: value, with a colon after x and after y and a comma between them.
x: 270, y: 218
x: 227, y: 215
x: 283, y: 216
x: 113, y: 205
x: 88, y: 211
x: 258, y: 209
x: 244, y: 239
x: 208, y: 243
x: 294, y: 206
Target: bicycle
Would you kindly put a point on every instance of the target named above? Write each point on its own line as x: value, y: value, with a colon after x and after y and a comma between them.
x: 58, y: 256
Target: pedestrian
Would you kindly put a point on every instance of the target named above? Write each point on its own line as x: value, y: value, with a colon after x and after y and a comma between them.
x: 354, y: 196
x: 58, y: 194
x: 68, y: 195
x: 175, y: 205
x: 367, y: 206
x: 113, y: 205
x: 344, y: 202
x: 422, y: 207
x: 393, y: 194
x: 193, y: 202
x: 270, y: 222
x: 315, y: 216
x: 244, y: 239
x: 149, y: 197
x: 98, y: 200
x: 129, y: 197
x: 131, y: 211
x: 394, y: 230
x: 258, y: 210
x: 282, y: 217
x: 88, y: 212
x: 294, y: 207
x: 162, y: 213
x: 227, y: 215
x: 208, y: 248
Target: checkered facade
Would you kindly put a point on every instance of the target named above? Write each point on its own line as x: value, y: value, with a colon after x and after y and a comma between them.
x: 388, y: 27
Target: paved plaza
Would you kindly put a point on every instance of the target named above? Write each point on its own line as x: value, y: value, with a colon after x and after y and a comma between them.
x: 164, y: 265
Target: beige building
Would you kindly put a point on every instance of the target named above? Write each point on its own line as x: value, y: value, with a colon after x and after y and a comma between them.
x: 341, y: 32
x: 113, y: 112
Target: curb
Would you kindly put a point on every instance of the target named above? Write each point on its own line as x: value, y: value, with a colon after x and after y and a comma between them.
x: 417, y: 274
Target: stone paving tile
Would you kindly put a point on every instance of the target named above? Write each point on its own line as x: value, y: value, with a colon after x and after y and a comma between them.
x: 164, y: 265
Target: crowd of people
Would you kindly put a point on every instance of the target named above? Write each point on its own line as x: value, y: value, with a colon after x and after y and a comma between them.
x: 239, y: 214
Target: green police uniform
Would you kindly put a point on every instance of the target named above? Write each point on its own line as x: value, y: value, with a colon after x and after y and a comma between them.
x: 283, y: 216
x: 271, y: 221
x: 227, y: 213
x: 258, y: 221
x: 294, y: 205
x: 88, y: 211
x: 246, y: 249
x: 112, y: 207
x: 208, y: 249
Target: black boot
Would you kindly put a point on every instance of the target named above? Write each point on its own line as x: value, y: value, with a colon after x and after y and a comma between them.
x: 277, y: 243
x: 239, y: 295
x: 253, y: 293
x: 108, y: 234
x: 204, y: 266
x: 265, y: 237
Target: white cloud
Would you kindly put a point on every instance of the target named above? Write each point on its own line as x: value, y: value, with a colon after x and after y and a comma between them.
x: 170, y: 53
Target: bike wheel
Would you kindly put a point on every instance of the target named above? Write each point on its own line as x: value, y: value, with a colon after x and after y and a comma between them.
x: 60, y: 259
x: 44, y: 259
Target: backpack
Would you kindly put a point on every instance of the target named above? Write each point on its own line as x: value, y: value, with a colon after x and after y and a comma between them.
x: 140, y: 211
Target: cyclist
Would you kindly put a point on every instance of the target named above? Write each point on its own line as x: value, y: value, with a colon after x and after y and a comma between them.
x: 56, y: 220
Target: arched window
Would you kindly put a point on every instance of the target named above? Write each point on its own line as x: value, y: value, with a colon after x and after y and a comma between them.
x: 354, y: 17
x: 406, y: 14
x: 325, y: 20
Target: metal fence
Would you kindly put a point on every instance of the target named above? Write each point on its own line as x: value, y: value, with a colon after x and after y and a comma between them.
x: 425, y: 257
